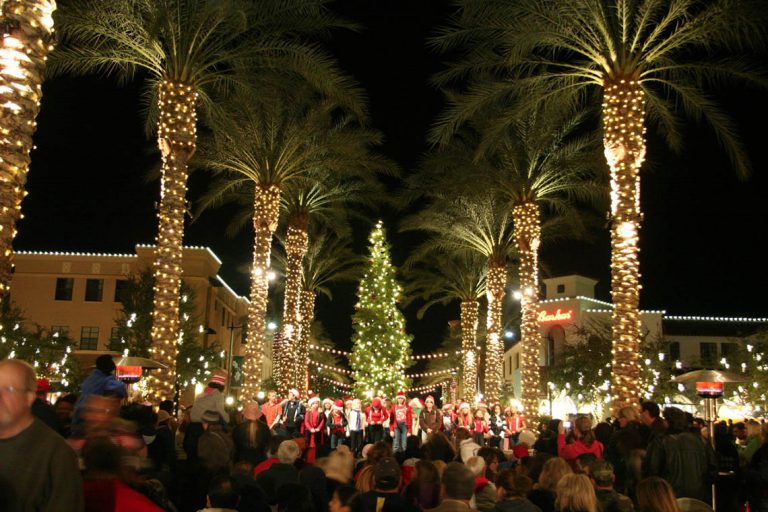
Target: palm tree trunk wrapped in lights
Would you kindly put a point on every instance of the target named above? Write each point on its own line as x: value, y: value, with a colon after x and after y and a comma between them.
x: 296, y: 245
x: 494, y: 351
x: 26, y: 27
x: 469, y: 316
x: 624, y: 142
x: 177, y: 137
x: 527, y: 220
x: 306, y: 317
x: 266, y: 210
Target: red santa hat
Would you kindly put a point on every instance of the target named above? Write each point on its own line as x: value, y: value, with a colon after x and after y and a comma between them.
x: 415, y: 403
x: 338, y: 405
x: 429, y: 397
x: 464, y: 405
x: 401, y: 394
x: 448, y: 407
x: 481, y: 403
x: 313, y: 400
x: 328, y: 401
x: 294, y: 392
x: 218, y: 379
x: 376, y: 403
x: 43, y: 385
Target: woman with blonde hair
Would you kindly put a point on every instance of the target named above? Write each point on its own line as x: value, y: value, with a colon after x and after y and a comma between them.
x: 544, y: 494
x: 575, y: 494
x: 654, y: 494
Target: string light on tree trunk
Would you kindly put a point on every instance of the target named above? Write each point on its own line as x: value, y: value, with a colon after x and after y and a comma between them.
x: 496, y: 283
x: 469, y: 319
x: 296, y: 245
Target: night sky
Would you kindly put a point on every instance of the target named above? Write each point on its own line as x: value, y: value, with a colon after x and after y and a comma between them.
x: 701, y: 252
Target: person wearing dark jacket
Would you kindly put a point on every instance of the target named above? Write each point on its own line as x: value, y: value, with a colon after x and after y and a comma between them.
x: 512, y: 490
x: 623, y: 442
x: 293, y: 414
x: 280, y: 473
x: 430, y: 418
x: 682, y: 458
x: 252, y: 436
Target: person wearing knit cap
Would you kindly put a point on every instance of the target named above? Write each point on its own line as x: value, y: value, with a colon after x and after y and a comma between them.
x: 416, y: 406
x: 400, y: 421
x: 338, y: 424
x: 497, y: 425
x: 293, y: 414
x: 356, y: 427
x: 314, y: 424
x: 479, y: 427
x: 464, y: 417
x: 375, y: 416
x: 430, y: 419
x: 212, y: 399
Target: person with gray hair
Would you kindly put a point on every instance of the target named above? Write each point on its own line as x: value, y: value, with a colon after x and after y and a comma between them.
x: 38, y: 470
x: 282, y: 472
x: 458, y: 487
x: 602, y: 475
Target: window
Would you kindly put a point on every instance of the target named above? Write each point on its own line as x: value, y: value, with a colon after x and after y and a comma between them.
x: 517, y: 360
x: 61, y: 330
x: 674, y: 350
x: 121, y: 288
x: 94, y: 289
x: 550, y: 352
x: 64, y: 286
x: 89, y: 338
x: 114, y: 340
x: 728, y: 349
x: 708, y: 353
x: 561, y: 288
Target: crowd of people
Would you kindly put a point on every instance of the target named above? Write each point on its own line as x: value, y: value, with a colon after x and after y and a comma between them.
x: 98, y: 451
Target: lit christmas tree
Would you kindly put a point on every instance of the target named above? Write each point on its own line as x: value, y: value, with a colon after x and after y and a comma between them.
x: 381, y: 348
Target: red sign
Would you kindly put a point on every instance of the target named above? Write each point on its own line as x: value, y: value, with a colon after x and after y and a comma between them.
x: 557, y: 316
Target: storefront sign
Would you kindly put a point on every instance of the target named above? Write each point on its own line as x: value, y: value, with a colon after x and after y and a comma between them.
x: 557, y: 316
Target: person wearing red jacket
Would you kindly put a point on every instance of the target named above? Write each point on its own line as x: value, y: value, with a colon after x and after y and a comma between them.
x: 314, y: 424
x: 375, y: 416
x: 337, y: 425
x: 400, y: 418
x: 584, y: 441
x: 479, y: 427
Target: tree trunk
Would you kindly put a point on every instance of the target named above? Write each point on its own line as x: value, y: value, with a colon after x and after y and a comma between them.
x: 177, y: 138
x: 296, y: 245
x: 306, y: 318
x: 527, y: 220
x: 27, y: 28
x: 469, y: 315
x: 496, y: 283
x: 266, y: 211
x: 624, y: 143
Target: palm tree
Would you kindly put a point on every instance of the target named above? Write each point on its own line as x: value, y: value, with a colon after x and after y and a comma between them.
x: 646, y: 57
x: 480, y: 225
x: 442, y: 279
x: 189, y: 49
x: 26, y: 27
x: 265, y: 149
x: 329, y: 260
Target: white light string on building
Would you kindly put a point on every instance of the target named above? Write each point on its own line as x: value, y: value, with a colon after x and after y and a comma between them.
x: 426, y: 389
x: 414, y: 357
x: 331, y: 368
x: 336, y: 383
x: 430, y: 374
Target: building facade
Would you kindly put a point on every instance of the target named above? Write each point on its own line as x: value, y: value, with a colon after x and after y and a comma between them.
x: 78, y: 294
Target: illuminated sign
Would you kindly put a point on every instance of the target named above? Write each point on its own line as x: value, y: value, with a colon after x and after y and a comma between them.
x: 557, y: 316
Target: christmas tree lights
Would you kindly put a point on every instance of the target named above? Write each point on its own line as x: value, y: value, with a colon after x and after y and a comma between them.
x: 381, y: 348
x: 26, y: 28
x: 469, y: 319
x: 624, y: 142
x: 496, y: 284
x: 296, y: 245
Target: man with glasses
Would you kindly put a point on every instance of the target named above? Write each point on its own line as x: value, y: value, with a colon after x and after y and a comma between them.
x: 38, y: 471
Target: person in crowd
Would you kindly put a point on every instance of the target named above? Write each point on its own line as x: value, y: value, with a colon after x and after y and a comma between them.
x: 222, y: 495
x: 464, y: 417
x: 375, y: 416
x: 212, y: 399
x: 581, y: 463
x: 345, y: 499
x: 338, y: 468
x: 584, y: 440
x: 215, y: 448
x: 515, y: 423
x: 547, y: 441
x: 101, y: 381
x: 479, y: 427
x: 485, y: 490
x: 654, y: 494
x: 364, y: 479
x: 385, y: 497
x: 65, y: 407
x: 544, y: 493
x: 313, y: 477
x: 400, y: 422
x: 603, y: 432
x: 274, y: 445
x: 603, y: 478
x: 38, y: 471
x: 756, y: 475
x: 465, y: 446
x: 294, y: 497
x: 449, y: 420
x: 251, y: 437
x: 650, y: 415
x: 42, y: 408
x: 682, y: 458
x: 162, y: 450
x: 416, y: 406
x: 423, y: 491
x: 439, y: 447
x: 314, y: 424
x: 575, y: 494
x: 728, y: 469
x: 512, y: 490
x: 327, y: 409
x: 493, y: 458
x: 293, y: 414
x: 252, y: 498
x: 624, y: 441
x: 497, y: 427
x: 337, y: 427
x: 457, y: 489
x: 409, y: 457
x: 282, y: 472
x: 356, y: 427
x: 430, y: 419
x: 272, y: 410
x: 752, y: 441
x: 103, y: 489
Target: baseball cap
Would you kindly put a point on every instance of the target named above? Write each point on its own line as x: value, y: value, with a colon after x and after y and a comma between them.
x: 387, y: 473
